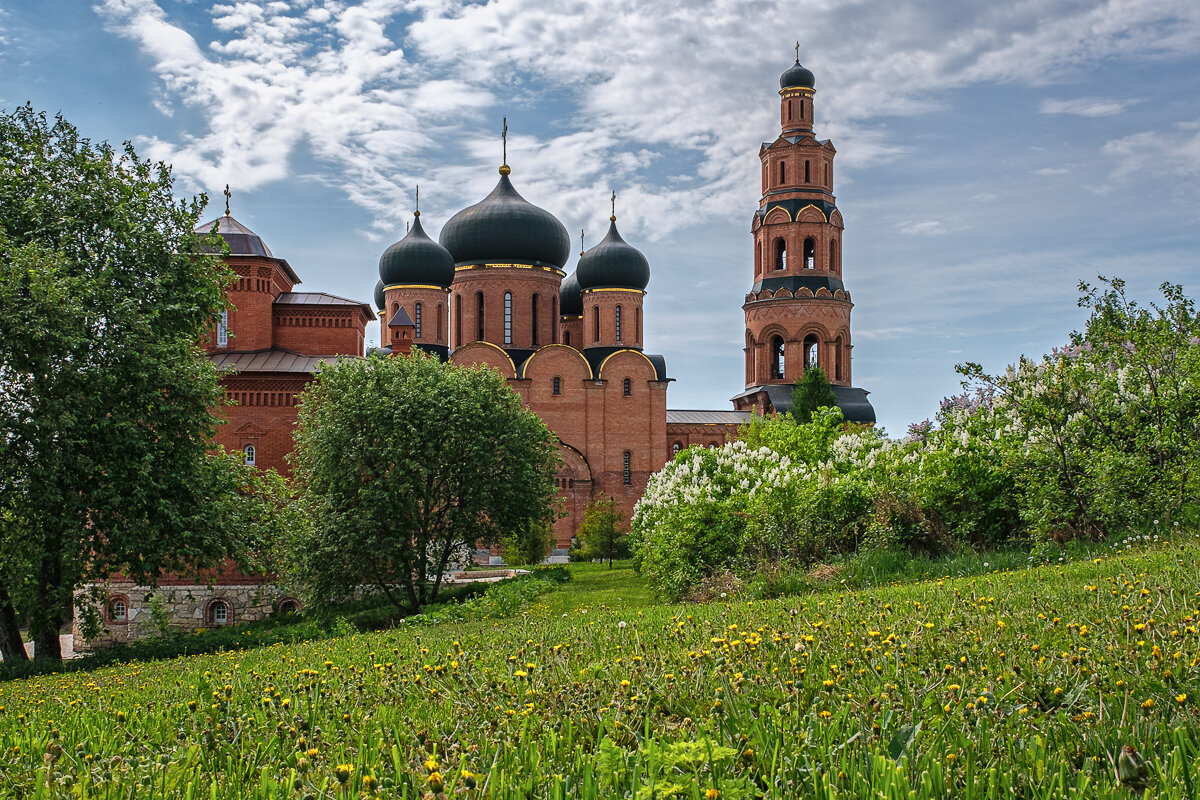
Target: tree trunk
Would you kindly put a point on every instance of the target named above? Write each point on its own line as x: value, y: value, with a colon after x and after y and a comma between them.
x: 11, y: 647
x: 48, y: 615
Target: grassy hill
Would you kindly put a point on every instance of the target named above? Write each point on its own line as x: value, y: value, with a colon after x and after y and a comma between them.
x: 1025, y: 683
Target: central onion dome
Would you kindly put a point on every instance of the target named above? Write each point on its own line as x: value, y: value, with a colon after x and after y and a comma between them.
x: 416, y: 259
x: 613, y: 264
x: 796, y: 76
x: 241, y: 240
x: 504, y: 227
x: 570, y: 297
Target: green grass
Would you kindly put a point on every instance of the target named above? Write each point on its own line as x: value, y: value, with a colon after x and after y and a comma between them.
x: 1015, y: 683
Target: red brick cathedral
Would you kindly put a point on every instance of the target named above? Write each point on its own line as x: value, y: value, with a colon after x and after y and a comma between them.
x: 494, y: 289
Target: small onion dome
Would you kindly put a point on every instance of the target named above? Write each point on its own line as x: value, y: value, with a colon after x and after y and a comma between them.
x: 241, y: 240
x: 504, y: 227
x: 416, y: 259
x: 570, y: 297
x: 797, y: 75
x: 379, y: 299
x: 613, y: 264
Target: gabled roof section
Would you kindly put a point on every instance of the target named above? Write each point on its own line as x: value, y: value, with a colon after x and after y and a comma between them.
x: 316, y: 299
x: 272, y: 360
x: 401, y: 319
x: 695, y: 417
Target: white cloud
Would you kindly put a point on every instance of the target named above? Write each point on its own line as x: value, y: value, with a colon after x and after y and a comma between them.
x: 1051, y: 171
x: 1086, y: 106
x: 1152, y: 154
x: 637, y: 95
x: 923, y: 227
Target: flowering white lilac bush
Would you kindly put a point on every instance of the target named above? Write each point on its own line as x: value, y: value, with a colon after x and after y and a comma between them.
x: 1093, y: 440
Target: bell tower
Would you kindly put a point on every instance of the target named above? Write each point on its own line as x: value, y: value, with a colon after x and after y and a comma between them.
x: 798, y: 309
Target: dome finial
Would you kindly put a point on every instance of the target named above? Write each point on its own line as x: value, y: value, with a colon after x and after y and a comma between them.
x: 581, y: 241
x: 417, y: 211
x: 505, y: 169
x: 797, y: 52
x: 227, y: 196
x: 613, y: 199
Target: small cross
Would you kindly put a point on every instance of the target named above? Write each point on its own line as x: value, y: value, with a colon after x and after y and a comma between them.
x: 418, y: 201
x: 504, y: 139
x: 613, y: 199
x: 227, y: 196
x: 797, y: 52
x: 581, y: 241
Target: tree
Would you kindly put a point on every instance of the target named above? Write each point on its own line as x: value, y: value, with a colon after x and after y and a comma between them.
x: 528, y: 545
x: 812, y: 392
x: 404, y: 465
x: 602, y: 533
x: 105, y: 397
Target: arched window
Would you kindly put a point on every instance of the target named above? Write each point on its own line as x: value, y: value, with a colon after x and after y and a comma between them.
x: 780, y: 254
x: 479, y: 315
x: 220, y: 613
x: 557, y: 385
x: 810, y: 253
x: 223, y: 329
x: 596, y: 323
x: 248, y: 455
x: 628, y: 479
x: 417, y: 322
x: 807, y: 172
x: 288, y: 605
x: 675, y: 448
x: 458, y: 320
x: 118, y: 610
x: 534, y: 319
x: 801, y: 109
x: 837, y: 359
x: 782, y: 172
x: 507, y: 318
x: 618, y: 318
x: 441, y: 314
x: 627, y: 388
x: 811, y: 348
x: 778, y: 366
x: 833, y: 255
x: 566, y: 337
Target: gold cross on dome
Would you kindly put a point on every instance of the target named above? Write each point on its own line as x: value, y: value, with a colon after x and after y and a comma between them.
x: 504, y: 140
x: 581, y: 241
x: 227, y: 196
x: 797, y: 52
x: 613, y: 199
x: 417, y: 210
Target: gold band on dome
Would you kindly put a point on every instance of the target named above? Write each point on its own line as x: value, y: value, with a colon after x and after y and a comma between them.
x: 795, y: 90
x: 416, y: 286
x: 615, y: 289
x: 556, y: 270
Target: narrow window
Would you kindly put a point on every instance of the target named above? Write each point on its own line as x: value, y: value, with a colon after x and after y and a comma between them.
x: 782, y: 172
x: 801, y: 109
x: 810, y: 253
x: 596, y: 323
x: 810, y: 351
x: 441, y: 314
x: 777, y: 358
x: 566, y: 337
x: 417, y: 332
x: 223, y: 329
x: 833, y: 255
x: 248, y: 455
x: 789, y: 110
x: 479, y: 315
x: 618, y: 324
x: 807, y: 177
x: 507, y: 318
x: 533, y: 315
x: 837, y: 359
x: 558, y: 385
x: 627, y: 388
x: 675, y: 448
x: 118, y: 611
x: 627, y: 477
x: 780, y: 254
x: 458, y: 320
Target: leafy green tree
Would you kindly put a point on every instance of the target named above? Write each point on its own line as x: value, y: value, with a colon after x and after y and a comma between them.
x: 528, y: 545
x: 404, y: 466
x: 105, y: 397
x: 602, y: 532
x: 812, y: 392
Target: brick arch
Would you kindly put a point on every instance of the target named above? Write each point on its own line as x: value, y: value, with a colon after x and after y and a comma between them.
x: 210, y: 612
x: 835, y: 218
x: 627, y: 363
x: 810, y: 214
x: 480, y: 352
x: 777, y: 216
x: 558, y: 359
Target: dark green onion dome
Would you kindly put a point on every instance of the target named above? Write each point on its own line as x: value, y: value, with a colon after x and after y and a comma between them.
x: 796, y: 76
x: 506, y: 228
x: 379, y: 299
x: 613, y: 264
x: 570, y: 297
x: 416, y: 259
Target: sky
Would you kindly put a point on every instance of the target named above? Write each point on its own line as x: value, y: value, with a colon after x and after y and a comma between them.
x: 990, y: 155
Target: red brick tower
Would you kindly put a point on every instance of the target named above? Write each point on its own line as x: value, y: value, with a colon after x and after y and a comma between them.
x: 613, y: 278
x: 798, y: 311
